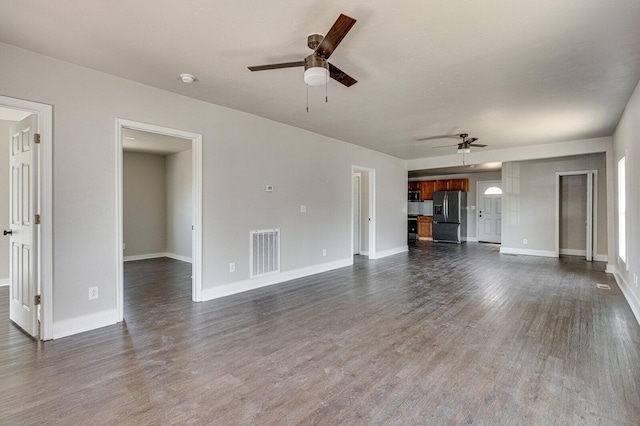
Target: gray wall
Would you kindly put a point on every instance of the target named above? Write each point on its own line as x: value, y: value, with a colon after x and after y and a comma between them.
x: 5, y: 139
x: 626, y: 142
x: 306, y: 168
x: 144, y: 203
x: 528, y: 204
x: 179, y: 203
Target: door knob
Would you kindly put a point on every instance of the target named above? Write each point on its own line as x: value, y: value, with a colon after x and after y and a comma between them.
x: 9, y: 232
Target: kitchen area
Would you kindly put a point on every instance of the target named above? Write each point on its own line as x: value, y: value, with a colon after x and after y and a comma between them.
x: 437, y: 210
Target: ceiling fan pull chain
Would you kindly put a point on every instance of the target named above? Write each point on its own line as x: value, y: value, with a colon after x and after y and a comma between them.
x: 307, y: 98
x: 326, y: 90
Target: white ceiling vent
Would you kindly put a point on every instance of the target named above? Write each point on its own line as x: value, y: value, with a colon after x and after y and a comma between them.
x: 265, y: 252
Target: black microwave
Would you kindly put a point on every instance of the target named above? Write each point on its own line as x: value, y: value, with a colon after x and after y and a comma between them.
x: 415, y: 196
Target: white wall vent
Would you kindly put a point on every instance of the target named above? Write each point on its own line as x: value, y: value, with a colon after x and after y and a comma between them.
x: 265, y: 252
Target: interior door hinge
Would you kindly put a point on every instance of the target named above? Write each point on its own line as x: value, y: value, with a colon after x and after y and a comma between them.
x: 36, y: 138
x: 37, y: 219
x: 37, y: 299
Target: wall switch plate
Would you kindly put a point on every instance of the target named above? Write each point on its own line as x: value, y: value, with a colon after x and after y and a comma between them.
x: 303, y: 208
x: 525, y: 241
x: 324, y: 252
x: 635, y: 279
x: 473, y: 207
x: 269, y: 188
x: 404, y: 210
x: 93, y: 293
x: 232, y: 267
x: 124, y: 246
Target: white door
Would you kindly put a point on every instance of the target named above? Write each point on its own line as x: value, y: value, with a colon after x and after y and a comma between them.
x: 489, y: 211
x: 23, y: 236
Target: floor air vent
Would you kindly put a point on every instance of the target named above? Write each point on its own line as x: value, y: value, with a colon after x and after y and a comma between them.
x: 603, y: 286
x: 265, y: 252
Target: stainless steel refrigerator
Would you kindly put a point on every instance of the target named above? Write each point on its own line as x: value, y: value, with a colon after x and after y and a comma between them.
x: 449, y: 216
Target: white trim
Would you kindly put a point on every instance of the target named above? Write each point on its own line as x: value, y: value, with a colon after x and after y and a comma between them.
x: 196, y: 145
x: 84, y: 323
x: 254, y: 283
x: 610, y: 269
x: 543, y: 253
x: 45, y: 116
x: 4, y: 282
x: 364, y: 253
x: 593, y: 217
x: 356, y: 204
x: 157, y: 255
x: 472, y: 239
x: 629, y: 294
x: 600, y: 257
x: 143, y: 257
x: 391, y: 252
x: 573, y: 252
x: 179, y: 257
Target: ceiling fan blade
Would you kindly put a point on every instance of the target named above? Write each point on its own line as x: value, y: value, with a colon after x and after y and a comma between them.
x: 444, y: 146
x: 471, y: 140
x: 478, y: 145
x: 335, y: 35
x: 277, y: 66
x: 340, y: 76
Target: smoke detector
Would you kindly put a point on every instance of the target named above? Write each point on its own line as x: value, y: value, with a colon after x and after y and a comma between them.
x: 187, y: 78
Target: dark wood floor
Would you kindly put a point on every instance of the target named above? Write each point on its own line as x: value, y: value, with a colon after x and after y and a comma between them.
x: 444, y: 334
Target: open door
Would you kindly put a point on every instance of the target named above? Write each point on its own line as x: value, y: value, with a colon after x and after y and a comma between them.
x: 23, y: 204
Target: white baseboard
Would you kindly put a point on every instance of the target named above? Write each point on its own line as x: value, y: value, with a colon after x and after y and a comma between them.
x: 573, y: 252
x: 527, y: 252
x: 143, y: 256
x: 4, y: 282
x: 364, y: 253
x: 600, y: 257
x: 84, y: 323
x: 157, y: 255
x: 470, y: 239
x: 610, y: 269
x: 629, y: 294
x: 391, y: 252
x: 179, y: 257
x: 252, y: 284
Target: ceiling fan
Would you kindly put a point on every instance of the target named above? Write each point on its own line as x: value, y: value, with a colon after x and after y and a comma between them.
x: 316, y: 68
x: 464, y: 147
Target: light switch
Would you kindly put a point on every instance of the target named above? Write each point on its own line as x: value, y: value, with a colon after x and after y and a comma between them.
x: 303, y: 208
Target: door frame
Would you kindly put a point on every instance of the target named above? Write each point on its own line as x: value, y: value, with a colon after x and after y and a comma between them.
x: 196, y: 240
x: 44, y: 252
x: 498, y: 183
x: 372, y: 207
x: 592, y: 211
x: 356, y: 245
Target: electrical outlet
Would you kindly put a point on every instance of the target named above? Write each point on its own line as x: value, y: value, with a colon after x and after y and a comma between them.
x: 525, y: 241
x: 232, y: 267
x: 268, y: 188
x: 93, y: 293
x: 324, y: 252
x: 303, y: 208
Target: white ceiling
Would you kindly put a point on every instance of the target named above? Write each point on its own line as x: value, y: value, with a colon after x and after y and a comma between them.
x: 512, y: 73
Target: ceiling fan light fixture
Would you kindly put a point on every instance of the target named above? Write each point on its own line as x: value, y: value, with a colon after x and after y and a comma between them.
x: 316, y: 76
x: 464, y: 150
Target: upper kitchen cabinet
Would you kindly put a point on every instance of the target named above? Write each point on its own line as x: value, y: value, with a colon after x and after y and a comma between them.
x: 427, y: 187
x: 459, y: 185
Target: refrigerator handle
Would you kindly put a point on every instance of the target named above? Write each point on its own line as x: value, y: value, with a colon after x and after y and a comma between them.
x: 446, y: 207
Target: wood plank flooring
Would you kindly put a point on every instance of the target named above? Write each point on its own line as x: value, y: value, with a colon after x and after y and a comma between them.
x: 442, y: 335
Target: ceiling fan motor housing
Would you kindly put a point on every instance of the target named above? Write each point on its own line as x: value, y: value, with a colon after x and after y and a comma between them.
x: 313, y: 40
x: 316, y: 70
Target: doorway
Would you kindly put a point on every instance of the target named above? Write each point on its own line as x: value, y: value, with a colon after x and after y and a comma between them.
x: 30, y: 248
x: 575, y: 213
x: 126, y: 133
x: 363, y: 212
x: 489, y: 223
